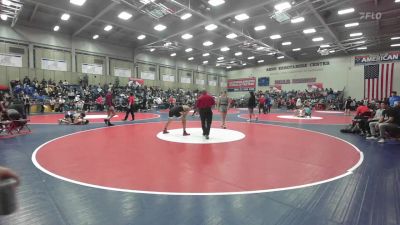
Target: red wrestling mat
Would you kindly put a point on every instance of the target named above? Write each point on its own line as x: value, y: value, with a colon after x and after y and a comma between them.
x: 132, y: 158
x: 321, y: 118
x: 96, y: 117
x: 215, y: 111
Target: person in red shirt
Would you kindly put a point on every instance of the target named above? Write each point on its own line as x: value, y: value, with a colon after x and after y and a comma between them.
x: 362, y: 109
x: 110, y: 108
x: 204, y: 105
x: 131, y: 107
x: 261, y: 104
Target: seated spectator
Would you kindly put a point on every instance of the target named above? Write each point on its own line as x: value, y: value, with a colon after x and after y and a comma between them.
x: 391, y: 124
x: 380, y: 117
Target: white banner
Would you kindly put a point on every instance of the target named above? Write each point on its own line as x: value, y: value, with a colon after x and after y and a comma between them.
x: 186, y: 80
x: 169, y: 78
x: 122, y: 72
x: 147, y: 75
x: 92, y: 68
x: 52, y: 64
x: 212, y: 83
x: 11, y: 60
x: 200, y: 82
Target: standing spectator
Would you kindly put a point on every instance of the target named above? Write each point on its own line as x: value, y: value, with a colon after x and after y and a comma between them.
x: 393, y: 98
x: 99, y: 103
x: 251, y: 104
x: 347, y: 106
x: 131, y: 107
x: 204, y: 104
x: 27, y: 104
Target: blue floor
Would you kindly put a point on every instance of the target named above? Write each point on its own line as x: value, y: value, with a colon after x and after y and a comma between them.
x: 370, y: 196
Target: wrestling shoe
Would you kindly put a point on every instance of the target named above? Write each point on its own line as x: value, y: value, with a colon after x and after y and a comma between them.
x: 165, y: 132
x: 207, y: 137
x: 110, y: 124
x: 106, y: 121
x: 185, y: 133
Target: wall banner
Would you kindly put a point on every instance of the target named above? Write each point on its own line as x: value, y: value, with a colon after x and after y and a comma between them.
x: 263, y: 81
x: 244, y: 84
x: 378, y: 58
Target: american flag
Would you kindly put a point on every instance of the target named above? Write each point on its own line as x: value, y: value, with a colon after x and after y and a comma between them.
x: 378, y: 81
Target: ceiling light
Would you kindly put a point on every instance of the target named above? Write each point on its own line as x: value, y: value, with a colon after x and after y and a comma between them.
x: 231, y: 36
x: 190, y: 59
x: 232, y: 61
x: 65, y: 16
x: 152, y: 49
x: 125, y: 15
x: 271, y: 53
x: 318, y: 39
x: 211, y: 27
x: 217, y: 64
x: 345, y: 11
x: 224, y: 49
x: 108, y: 28
x: 141, y: 37
x: 359, y: 42
x: 186, y: 16
x: 296, y: 49
x: 283, y: 6
x: 95, y: 36
x: 207, y: 43
x: 6, y: 2
x: 309, y: 31
x: 356, y: 34
x: 324, y: 46
x: 173, y: 54
x: 220, y: 58
x: 238, y: 53
x: 3, y: 17
x: 351, y: 25
x: 395, y: 38
x: 187, y: 36
x: 261, y: 27
x: 205, y: 62
x: 146, y: 1
x: 244, y: 64
x: 275, y: 36
x: 396, y: 1
x: 361, y: 48
x: 216, y: 2
x: 280, y: 57
x: 241, y: 17
x: 206, y: 54
x: 56, y: 28
x: 77, y: 2
x: 160, y: 27
x: 332, y: 51
x: 297, y: 20
x: 260, y: 48
x: 251, y: 57
x: 228, y: 67
x: 260, y: 61
x: 395, y: 45
x: 188, y: 49
x: 286, y: 43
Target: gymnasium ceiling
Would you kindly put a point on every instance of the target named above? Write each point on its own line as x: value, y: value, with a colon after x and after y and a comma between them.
x: 378, y: 30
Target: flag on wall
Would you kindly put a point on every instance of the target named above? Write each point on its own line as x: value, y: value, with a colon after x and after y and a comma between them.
x: 378, y: 81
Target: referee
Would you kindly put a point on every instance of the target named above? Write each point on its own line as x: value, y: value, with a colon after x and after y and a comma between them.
x: 204, y: 104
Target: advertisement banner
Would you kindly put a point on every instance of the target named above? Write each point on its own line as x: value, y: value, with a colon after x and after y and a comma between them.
x: 377, y: 58
x: 137, y: 80
x: 244, y: 84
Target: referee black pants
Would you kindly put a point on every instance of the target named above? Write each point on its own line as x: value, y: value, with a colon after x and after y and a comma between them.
x: 206, y: 119
x: 130, y: 110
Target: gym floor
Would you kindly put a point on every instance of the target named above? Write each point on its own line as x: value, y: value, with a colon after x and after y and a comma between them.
x: 278, y: 171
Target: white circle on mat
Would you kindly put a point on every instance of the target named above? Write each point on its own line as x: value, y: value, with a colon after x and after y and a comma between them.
x: 330, y: 112
x: 299, y: 118
x: 196, y: 136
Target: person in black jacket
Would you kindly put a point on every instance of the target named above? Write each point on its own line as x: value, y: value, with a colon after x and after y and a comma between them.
x: 251, y: 105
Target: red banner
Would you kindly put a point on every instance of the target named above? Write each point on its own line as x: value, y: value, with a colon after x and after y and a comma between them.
x: 319, y: 86
x: 139, y: 81
x: 243, y: 84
